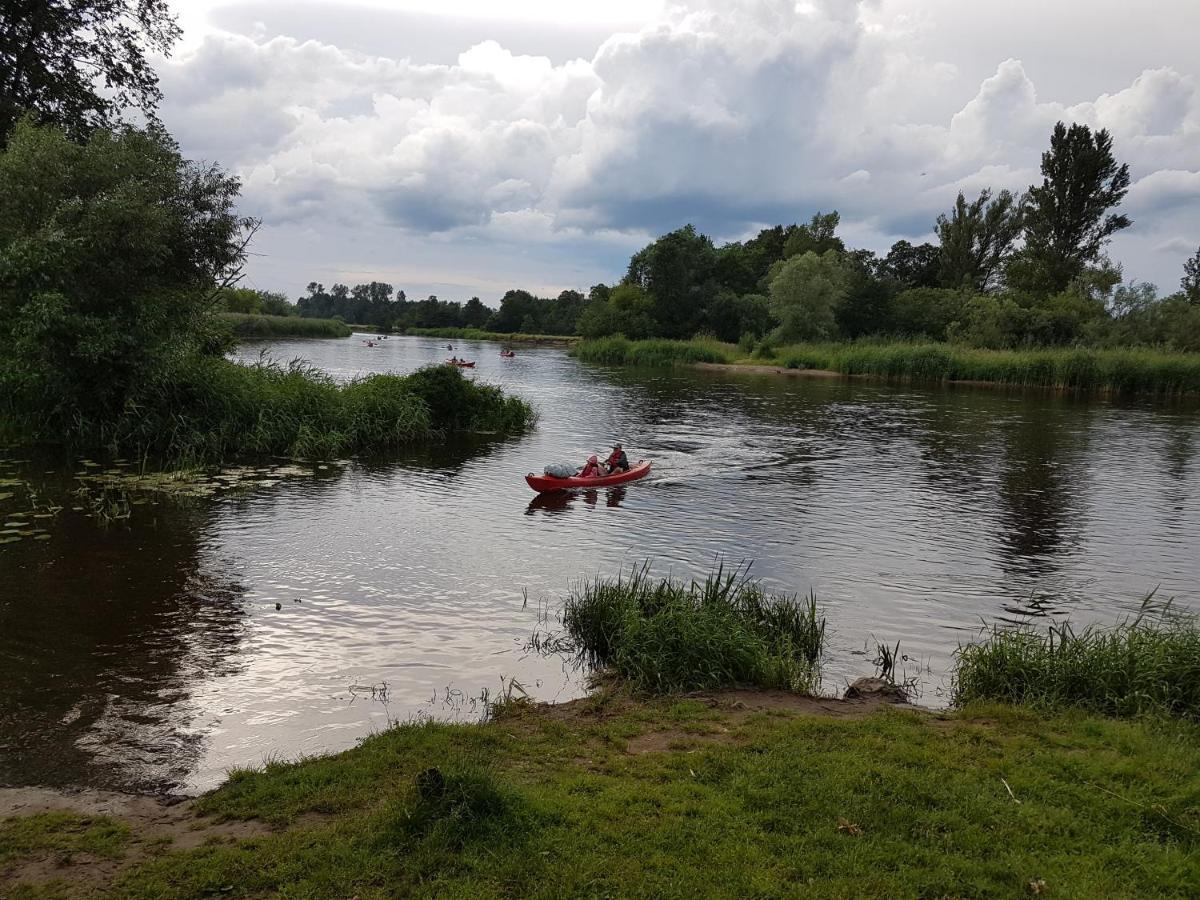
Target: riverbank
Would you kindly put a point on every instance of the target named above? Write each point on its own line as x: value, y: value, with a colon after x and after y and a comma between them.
x: 730, y: 793
x: 248, y: 326
x: 476, y: 334
x: 1133, y: 371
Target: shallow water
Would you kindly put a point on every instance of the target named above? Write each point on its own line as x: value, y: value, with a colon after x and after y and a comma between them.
x: 148, y: 654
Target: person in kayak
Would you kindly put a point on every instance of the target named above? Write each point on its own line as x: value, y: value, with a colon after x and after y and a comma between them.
x: 617, y: 460
x: 592, y: 469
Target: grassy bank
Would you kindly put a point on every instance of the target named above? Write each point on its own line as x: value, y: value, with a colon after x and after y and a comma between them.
x: 477, y: 334
x: 1134, y: 371
x: 244, y: 325
x: 720, y: 795
x: 208, y: 409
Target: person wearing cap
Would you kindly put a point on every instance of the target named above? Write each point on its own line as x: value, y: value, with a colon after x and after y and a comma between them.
x: 592, y: 469
x: 617, y: 460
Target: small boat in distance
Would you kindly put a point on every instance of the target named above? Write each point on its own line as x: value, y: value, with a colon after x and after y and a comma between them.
x: 461, y: 363
x: 544, y: 483
x: 508, y: 354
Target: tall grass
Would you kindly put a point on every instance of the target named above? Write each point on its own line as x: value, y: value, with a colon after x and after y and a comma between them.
x: 478, y: 334
x: 1150, y: 664
x: 207, y: 408
x: 663, y: 635
x: 620, y: 351
x: 245, y: 325
x: 1133, y: 371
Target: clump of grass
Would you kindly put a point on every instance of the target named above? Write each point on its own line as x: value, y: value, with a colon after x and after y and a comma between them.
x: 1150, y: 664
x: 663, y: 635
x: 620, y: 351
x: 246, y: 325
x: 478, y: 334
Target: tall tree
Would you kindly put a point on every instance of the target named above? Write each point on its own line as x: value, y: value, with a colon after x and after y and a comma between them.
x: 80, y: 63
x: 676, y: 272
x: 1190, y: 282
x: 911, y: 266
x: 1068, y: 219
x: 806, y: 292
x: 818, y: 236
x: 976, y: 238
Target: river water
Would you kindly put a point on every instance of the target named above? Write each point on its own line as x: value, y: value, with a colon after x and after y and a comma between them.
x: 148, y: 654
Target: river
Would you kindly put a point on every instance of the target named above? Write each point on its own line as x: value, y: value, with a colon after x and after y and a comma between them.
x: 149, y: 654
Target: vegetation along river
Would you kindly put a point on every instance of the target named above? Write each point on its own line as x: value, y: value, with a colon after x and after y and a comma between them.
x: 149, y: 653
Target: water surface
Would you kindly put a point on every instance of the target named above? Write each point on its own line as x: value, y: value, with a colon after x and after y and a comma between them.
x: 149, y: 655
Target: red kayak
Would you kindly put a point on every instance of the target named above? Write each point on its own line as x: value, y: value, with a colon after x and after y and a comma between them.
x: 462, y: 364
x: 545, y: 483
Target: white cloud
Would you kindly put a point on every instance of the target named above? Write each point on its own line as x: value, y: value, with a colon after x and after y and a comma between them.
x: 727, y: 113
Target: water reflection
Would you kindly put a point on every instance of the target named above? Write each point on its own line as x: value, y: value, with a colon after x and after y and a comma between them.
x: 104, y: 637
x: 562, y: 501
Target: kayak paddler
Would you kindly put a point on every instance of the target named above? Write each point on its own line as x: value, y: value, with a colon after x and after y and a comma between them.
x: 617, y: 460
x: 592, y: 469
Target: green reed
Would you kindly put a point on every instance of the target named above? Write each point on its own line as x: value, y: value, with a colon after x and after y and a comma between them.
x: 620, y: 351
x: 1148, y: 664
x: 245, y: 325
x: 664, y: 635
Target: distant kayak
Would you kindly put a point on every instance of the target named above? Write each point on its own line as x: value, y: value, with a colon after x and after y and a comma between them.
x: 507, y: 354
x: 461, y: 363
x: 545, y: 483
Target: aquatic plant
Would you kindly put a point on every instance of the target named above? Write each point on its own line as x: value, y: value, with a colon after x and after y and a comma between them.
x: 663, y: 635
x: 246, y: 325
x: 620, y: 351
x: 1148, y: 664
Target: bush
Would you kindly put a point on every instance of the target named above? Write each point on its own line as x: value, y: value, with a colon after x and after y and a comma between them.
x: 263, y: 326
x: 620, y: 351
x: 666, y: 635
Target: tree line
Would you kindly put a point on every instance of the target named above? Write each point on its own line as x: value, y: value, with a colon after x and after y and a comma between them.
x: 1006, y: 270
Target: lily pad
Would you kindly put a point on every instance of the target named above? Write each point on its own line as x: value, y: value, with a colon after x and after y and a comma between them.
x: 43, y: 537
x: 10, y: 540
x: 16, y: 524
x: 5, y: 495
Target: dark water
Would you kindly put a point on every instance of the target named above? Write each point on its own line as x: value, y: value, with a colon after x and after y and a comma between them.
x: 150, y: 655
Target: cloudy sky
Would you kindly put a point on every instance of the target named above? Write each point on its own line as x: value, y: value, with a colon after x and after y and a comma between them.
x: 463, y: 148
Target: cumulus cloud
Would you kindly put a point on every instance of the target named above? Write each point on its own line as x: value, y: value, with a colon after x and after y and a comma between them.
x: 727, y: 114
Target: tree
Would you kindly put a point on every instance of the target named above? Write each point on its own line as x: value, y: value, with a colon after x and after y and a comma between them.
x: 112, y: 251
x: 911, y: 266
x: 676, y: 274
x: 1190, y: 282
x: 816, y: 237
x: 805, y: 294
x: 475, y: 314
x: 80, y: 63
x: 976, y: 239
x: 1067, y: 219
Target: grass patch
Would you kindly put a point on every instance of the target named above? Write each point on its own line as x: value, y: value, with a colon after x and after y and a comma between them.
x: 478, y: 334
x: 1133, y: 371
x: 896, y: 804
x: 250, y: 326
x: 208, y: 408
x: 620, y: 351
x: 663, y: 635
x: 1147, y: 665
x: 60, y: 835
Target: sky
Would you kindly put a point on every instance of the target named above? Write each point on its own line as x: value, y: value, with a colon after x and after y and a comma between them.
x: 466, y: 147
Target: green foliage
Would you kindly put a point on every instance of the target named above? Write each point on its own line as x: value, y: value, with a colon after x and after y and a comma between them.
x: 626, y: 311
x: 253, y: 302
x: 1083, y: 371
x: 926, y: 312
x: 109, y: 253
x: 818, y: 236
x: 911, y: 266
x: 976, y: 239
x: 1150, y: 664
x: 1067, y: 218
x: 665, y: 635
x: 476, y: 334
x: 805, y: 293
x: 257, y: 326
x: 1190, y: 282
x: 80, y: 64
x: 620, y: 351
x: 676, y: 273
